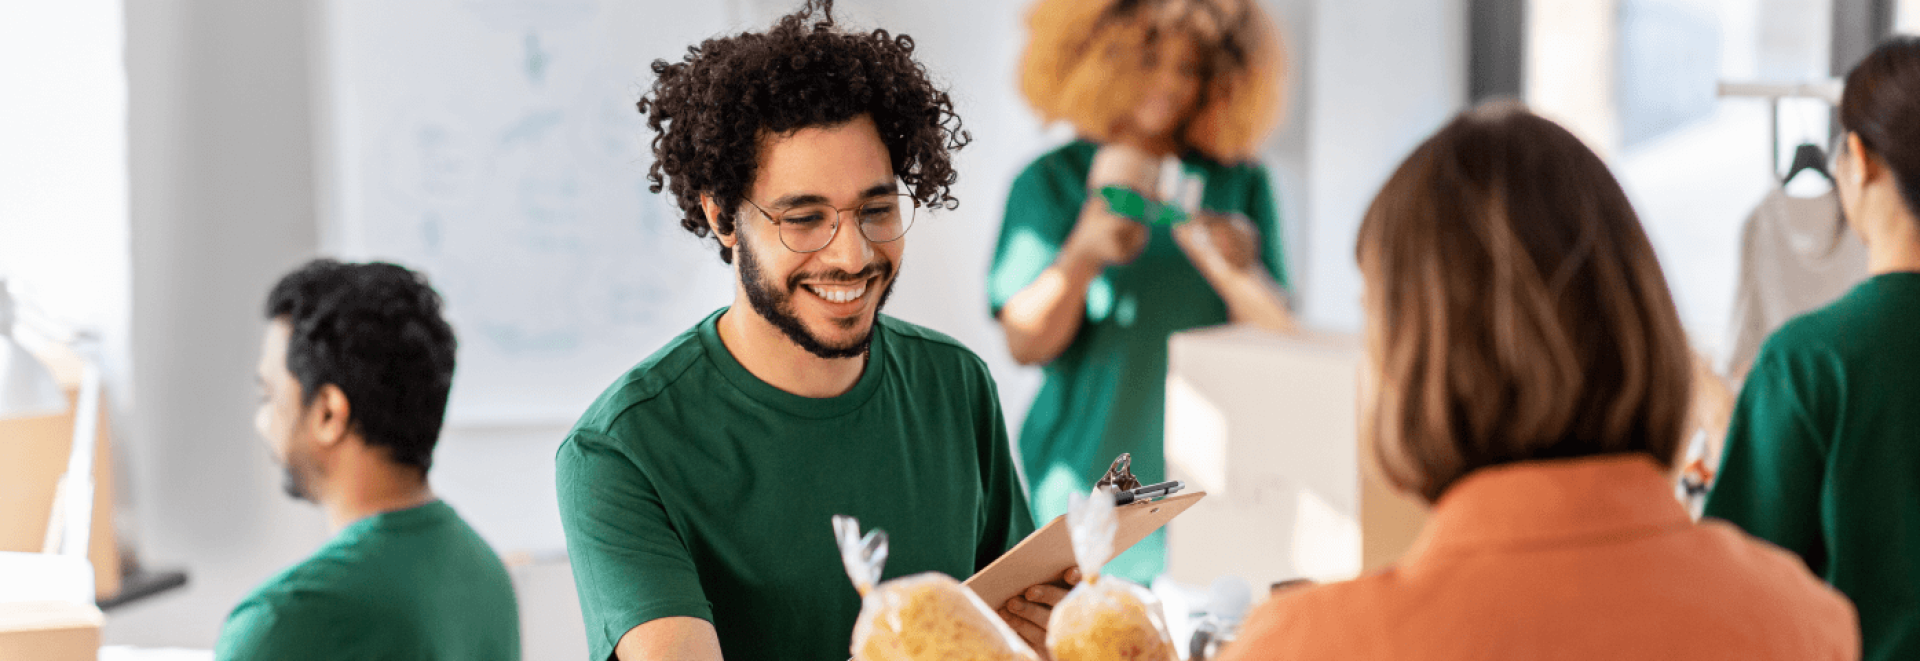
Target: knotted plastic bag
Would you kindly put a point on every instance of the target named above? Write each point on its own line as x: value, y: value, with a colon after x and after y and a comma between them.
x: 1104, y: 618
x: 922, y: 617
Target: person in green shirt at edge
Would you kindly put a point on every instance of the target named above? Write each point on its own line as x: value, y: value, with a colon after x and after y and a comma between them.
x: 697, y: 493
x: 354, y: 374
x: 1823, y: 453
x: 1092, y: 296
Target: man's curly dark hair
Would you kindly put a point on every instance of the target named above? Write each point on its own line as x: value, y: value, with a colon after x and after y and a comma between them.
x: 711, y: 110
x: 374, y: 331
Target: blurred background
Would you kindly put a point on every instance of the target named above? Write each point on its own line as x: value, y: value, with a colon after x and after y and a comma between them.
x: 162, y: 162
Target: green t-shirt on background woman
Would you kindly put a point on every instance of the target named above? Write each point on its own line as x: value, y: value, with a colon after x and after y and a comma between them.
x: 1823, y: 454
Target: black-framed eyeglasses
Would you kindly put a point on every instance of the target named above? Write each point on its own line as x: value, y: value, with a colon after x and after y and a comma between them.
x: 811, y: 227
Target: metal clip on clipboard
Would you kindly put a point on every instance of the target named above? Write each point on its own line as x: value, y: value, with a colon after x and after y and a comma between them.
x: 1127, y: 488
x: 1043, y: 555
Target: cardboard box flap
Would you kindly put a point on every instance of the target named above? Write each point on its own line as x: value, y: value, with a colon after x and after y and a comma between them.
x: 24, y: 616
x: 49, y: 631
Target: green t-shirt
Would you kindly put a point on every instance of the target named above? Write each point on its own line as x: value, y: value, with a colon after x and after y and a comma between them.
x: 1105, y: 394
x: 414, y: 584
x: 1823, y: 455
x: 692, y: 488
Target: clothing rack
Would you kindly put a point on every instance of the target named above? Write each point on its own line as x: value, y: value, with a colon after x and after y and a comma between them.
x: 1827, y: 90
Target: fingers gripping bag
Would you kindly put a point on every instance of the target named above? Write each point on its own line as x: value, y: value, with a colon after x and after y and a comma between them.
x: 922, y: 617
x: 1104, y: 618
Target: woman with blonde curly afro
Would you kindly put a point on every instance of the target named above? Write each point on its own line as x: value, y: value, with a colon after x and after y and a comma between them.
x: 1180, y: 91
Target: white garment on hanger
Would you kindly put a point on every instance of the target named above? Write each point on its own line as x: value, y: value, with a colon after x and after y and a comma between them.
x: 1796, y: 255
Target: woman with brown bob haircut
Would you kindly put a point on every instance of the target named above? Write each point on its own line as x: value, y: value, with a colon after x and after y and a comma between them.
x: 1157, y: 91
x: 1531, y: 382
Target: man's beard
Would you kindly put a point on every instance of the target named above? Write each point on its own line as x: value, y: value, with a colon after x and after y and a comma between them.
x: 297, y: 479
x: 776, y: 305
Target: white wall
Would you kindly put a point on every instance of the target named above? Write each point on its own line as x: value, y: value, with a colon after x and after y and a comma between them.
x: 1285, y: 154
x: 1383, y: 75
x: 222, y: 199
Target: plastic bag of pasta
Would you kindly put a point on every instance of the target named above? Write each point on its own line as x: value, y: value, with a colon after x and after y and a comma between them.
x: 922, y: 617
x: 1104, y: 618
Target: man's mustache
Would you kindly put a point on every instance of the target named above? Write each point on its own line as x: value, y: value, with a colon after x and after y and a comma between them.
x: 880, y: 269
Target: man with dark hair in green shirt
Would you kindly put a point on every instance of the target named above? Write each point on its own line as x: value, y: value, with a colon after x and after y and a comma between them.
x: 354, y: 375
x: 697, y: 491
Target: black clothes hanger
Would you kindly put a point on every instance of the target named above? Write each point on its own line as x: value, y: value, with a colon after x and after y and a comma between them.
x: 1808, y: 156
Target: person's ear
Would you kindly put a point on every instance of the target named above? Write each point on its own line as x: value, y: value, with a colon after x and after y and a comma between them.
x: 714, y: 212
x: 1862, y: 167
x: 328, y: 416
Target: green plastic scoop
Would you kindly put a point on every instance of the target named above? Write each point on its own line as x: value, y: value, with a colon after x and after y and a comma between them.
x: 1130, y: 204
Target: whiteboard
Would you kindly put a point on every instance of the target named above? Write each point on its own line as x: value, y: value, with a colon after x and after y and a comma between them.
x: 494, y: 145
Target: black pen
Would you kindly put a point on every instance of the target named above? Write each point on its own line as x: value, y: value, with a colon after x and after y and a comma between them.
x: 1148, y: 492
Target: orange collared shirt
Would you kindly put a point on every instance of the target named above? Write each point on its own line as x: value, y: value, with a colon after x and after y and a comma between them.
x: 1586, y: 558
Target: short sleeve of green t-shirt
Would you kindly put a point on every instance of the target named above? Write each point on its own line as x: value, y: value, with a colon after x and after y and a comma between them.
x: 631, y: 566
x: 1774, y: 462
x: 1041, y: 210
x: 1263, y: 208
x: 271, y: 626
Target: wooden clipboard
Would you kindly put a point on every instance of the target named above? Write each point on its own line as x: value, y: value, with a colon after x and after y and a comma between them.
x: 1043, y: 555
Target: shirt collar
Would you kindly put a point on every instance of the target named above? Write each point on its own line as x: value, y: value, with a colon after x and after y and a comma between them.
x: 815, y: 408
x: 1561, y: 502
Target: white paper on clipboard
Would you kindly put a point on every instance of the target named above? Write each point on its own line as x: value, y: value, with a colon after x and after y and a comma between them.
x: 1043, y: 555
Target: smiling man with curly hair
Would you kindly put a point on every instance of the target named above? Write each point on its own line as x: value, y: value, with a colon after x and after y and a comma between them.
x: 697, y: 491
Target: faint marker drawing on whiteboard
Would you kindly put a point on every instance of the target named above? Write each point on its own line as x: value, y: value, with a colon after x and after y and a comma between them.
x: 495, y: 145
x: 511, y: 15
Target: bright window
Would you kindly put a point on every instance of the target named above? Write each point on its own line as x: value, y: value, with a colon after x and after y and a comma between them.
x: 1694, y: 163
x: 63, y: 158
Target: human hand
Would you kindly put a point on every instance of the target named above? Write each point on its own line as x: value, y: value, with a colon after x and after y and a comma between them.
x: 1101, y: 239
x: 1219, y: 244
x: 1029, y: 611
x: 1124, y: 165
x: 1713, y: 399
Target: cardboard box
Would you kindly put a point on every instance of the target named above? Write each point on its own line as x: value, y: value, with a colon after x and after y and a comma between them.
x: 1267, y: 425
x: 49, y: 631
x: 33, y: 456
